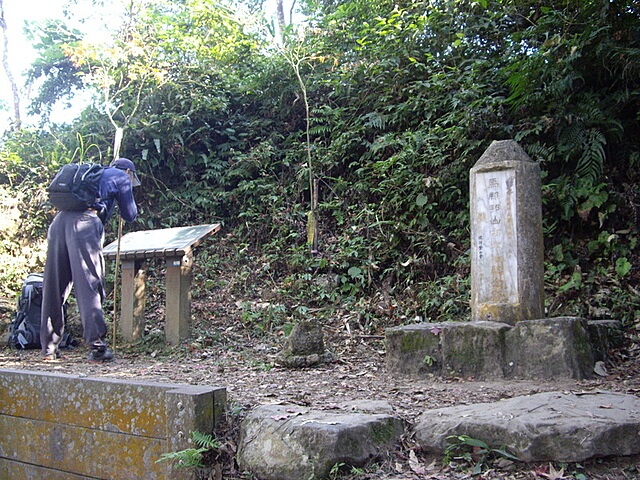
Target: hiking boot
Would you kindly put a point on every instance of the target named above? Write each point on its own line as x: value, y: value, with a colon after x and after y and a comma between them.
x: 102, y: 354
x: 51, y: 357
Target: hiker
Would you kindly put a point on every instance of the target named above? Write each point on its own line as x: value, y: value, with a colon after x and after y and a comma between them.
x: 74, y: 258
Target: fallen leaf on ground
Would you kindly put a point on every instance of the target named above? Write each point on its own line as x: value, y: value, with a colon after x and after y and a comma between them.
x: 415, y: 465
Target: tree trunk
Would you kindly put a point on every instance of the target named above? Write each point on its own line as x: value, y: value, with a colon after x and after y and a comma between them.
x: 280, y: 14
x: 7, y: 69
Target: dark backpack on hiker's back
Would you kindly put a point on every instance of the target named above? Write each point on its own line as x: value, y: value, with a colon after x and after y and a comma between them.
x: 25, y: 327
x: 75, y: 186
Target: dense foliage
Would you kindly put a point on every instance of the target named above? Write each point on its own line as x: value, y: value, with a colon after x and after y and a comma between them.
x: 363, y: 129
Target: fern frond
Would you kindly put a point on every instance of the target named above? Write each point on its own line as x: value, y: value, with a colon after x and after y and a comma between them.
x: 540, y: 152
x: 571, y: 138
x: 375, y: 120
x: 319, y: 130
x: 188, y: 458
x: 593, y: 155
x: 204, y: 440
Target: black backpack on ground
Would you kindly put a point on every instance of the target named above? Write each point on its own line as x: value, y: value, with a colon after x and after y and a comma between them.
x: 75, y: 186
x: 25, y: 327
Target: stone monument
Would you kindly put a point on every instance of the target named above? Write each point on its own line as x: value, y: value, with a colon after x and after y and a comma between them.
x: 509, y: 335
x: 507, y: 267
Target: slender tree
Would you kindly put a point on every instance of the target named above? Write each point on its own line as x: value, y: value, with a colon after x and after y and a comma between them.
x: 282, y: 21
x: 280, y: 14
x: 295, y: 57
x: 7, y: 68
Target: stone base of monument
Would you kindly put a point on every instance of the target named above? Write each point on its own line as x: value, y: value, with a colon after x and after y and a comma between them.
x: 550, y: 348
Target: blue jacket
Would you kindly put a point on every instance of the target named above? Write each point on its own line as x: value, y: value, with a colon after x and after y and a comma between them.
x: 115, y: 187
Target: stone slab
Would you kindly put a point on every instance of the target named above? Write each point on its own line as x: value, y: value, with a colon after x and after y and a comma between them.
x: 469, y: 349
x: 414, y: 350
x: 290, y: 442
x: 474, y: 350
x: 549, y: 348
x: 605, y: 335
x: 556, y: 426
x: 99, y: 427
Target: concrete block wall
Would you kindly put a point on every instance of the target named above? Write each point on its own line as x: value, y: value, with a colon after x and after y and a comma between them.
x: 64, y: 426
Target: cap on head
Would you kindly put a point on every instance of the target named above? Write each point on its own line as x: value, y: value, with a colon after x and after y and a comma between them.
x: 126, y: 164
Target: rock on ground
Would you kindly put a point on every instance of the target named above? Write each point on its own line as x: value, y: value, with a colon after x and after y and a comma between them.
x: 552, y: 426
x: 289, y: 442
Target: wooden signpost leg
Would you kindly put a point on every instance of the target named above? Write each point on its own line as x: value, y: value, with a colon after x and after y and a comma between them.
x: 133, y: 299
x: 178, y: 308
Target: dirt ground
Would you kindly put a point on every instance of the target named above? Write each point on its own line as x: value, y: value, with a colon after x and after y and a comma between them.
x: 227, y: 353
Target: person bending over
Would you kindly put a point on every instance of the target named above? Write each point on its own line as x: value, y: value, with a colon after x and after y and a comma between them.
x: 74, y: 258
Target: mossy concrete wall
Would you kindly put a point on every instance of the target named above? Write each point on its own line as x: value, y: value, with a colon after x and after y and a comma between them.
x: 64, y: 426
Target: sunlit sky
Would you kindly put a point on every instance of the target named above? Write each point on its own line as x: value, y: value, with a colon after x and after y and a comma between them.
x: 21, y: 54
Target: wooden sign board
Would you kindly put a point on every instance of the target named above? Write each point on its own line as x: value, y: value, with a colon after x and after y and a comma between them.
x: 164, y: 243
x: 175, y: 246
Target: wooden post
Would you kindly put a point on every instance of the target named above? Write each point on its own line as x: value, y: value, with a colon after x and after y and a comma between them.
x: 178, y: 308
x: 133, y: 300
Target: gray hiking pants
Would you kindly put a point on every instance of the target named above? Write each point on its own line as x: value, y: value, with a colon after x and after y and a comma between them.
x: 74, y: 258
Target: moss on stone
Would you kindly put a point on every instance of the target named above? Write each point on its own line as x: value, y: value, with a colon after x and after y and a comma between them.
x: 417, y: 341
x: 383, y: 433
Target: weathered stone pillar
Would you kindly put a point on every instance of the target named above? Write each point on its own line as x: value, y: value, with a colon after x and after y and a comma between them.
x: 507, y: 268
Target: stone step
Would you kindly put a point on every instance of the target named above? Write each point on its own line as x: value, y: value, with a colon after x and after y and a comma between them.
x: 290, y: 442
x: 555, y: 426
